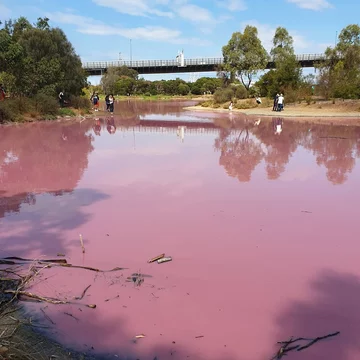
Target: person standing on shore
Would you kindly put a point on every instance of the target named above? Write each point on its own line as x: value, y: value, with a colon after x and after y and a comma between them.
x: 275, y: 107
x: 107, y: 103
x: 231, y: 106
x: 281, y: 103
x: 111, y: 103
x: 61, y: 98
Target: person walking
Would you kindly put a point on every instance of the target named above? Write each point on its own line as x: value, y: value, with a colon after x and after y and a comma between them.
x: 96, y: 101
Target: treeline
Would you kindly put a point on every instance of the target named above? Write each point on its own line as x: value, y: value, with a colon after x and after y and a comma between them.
x: 36, y: 63
x: 338, y: 75
x: 124, y: 81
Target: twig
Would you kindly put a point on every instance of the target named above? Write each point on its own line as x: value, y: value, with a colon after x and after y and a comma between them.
x: 83, y: 293
x: 36, y: 297
x: 82, y: 244
x: 71, y: 315
x: 318, y: 339
x: 285, y: 349
x: 56, y: 261
x: 47, y: 316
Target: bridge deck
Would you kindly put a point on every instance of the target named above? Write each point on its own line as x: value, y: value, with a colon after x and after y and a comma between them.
x: 191, y: 65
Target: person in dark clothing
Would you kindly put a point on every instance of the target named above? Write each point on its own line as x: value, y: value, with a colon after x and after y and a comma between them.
x: 61, y: 99
x: 275, y: 107
x: 107, y: 103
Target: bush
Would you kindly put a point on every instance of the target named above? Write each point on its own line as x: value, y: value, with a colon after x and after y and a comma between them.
x: 248, y: 104
x: 241, y: 92
x: 79, y: 102
x: 45, y: 105
x: 207, y: 104
x: 223, y: 95
x: 66, y: 112
x: 11, y: 109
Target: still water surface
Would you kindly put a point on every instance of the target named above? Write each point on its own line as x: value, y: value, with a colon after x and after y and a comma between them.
x: 263, y: 230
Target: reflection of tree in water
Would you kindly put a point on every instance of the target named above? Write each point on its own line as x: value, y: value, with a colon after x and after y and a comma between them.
x: 240, y: 154
x: 38, y: 158
x: 336, y: 149
x: 279, y: 148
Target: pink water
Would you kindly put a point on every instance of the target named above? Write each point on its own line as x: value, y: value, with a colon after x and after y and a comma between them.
x: 263, y: 231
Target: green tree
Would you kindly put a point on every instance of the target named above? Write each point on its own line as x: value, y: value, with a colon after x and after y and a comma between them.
x: 40, y: 59
x: 112, y: 76
x: 288, y: 72
x: 244, y: 55
x: 340, y: 72
x: 183, y: 89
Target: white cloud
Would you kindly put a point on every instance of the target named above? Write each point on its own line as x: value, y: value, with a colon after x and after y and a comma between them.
x: 136, y: 7
x: 87, y: 25
x: 312, y: 4
x: 232, y: 5
x: 195, y: 13
x: 5, y: 12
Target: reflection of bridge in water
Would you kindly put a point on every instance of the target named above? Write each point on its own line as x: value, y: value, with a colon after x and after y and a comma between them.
x: 205, y: 127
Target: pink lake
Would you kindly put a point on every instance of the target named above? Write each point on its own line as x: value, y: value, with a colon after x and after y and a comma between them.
x: 263, y: 230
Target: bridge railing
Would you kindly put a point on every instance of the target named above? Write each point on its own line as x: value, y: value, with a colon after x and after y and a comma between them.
x: 174, y: 63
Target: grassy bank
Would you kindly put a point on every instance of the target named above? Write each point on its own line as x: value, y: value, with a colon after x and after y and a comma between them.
x: 40, y: 107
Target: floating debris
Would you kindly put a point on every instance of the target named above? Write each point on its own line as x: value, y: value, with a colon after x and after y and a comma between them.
x: 140, y: 336
x: 164, y: 260
x: 199, y: 337
x: 156, y: 258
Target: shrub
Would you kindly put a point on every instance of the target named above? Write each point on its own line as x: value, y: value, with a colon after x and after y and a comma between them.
x: 45, y: 105
x: 241, y: 92
x: 207, y: 104
x: 79, y: 102
x: 223, y: 95
x: 10, y: 110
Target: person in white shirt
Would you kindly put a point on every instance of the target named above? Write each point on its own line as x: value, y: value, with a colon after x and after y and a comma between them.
x: 281, y: 102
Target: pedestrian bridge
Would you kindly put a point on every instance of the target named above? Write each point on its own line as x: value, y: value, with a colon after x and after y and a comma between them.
x: 186, y: 66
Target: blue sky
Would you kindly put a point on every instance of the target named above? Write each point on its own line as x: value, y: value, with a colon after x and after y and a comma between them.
x: 102, y: 29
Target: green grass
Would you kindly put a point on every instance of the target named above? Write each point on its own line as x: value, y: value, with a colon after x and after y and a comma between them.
x: 66, y: 112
